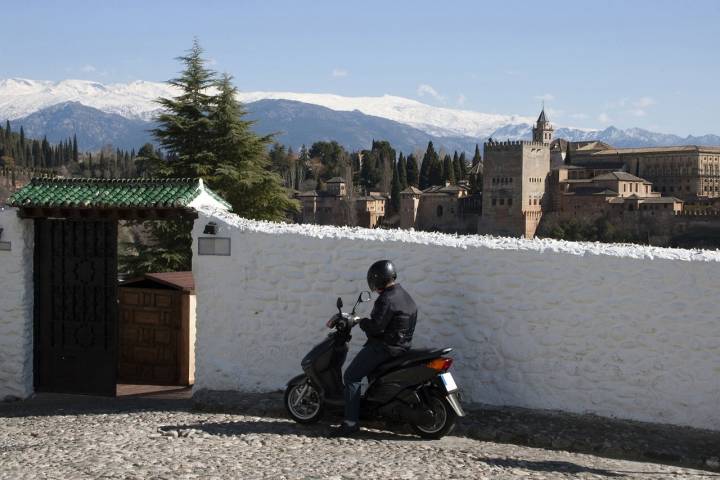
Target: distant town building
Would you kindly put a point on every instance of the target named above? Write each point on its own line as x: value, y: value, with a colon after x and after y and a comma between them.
x: 336, y: 206
x: 449, y: 208
x: 610, y: 194
x: 687, y: 172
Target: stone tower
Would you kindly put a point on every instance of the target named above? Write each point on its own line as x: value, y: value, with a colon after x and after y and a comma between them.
x: 542, y: 131
x: 514, y: 187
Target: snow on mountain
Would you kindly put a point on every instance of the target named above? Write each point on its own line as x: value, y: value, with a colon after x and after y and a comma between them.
x: 136, y: 100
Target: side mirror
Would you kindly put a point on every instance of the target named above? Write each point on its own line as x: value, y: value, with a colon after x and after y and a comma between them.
x: 364, y: 297
x: 339, y: 303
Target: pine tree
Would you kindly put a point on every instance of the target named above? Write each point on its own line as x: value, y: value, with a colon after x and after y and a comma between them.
x: 184, y: 129
x: 413, y: 172
x: 243, y: 176
x: 395, y: 189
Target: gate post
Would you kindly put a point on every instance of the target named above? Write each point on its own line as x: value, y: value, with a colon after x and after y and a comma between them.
x: 16, y: 305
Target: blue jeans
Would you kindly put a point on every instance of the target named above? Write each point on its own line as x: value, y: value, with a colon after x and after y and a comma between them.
x: 363, y: 364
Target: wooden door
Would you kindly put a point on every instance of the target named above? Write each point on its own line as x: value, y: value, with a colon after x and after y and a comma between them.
x: 150, y: 325
x: 76, y: 306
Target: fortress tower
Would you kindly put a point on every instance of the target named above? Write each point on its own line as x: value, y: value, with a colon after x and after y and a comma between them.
x: 542, y: 131
x: 515, y: 175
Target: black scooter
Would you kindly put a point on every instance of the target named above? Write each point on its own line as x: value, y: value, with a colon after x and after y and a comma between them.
x: 414, y: 388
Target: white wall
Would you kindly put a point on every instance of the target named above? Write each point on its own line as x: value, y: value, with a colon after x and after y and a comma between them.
x: 16, y: 306
x: 623, y: 331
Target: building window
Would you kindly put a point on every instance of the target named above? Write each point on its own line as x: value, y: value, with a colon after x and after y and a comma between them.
x: 502, y: 201
x: 439, y: 211
x: 494, y: 201
x: 509, y: 202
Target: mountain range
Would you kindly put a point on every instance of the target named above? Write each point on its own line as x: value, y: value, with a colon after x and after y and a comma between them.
x: 121, y: 115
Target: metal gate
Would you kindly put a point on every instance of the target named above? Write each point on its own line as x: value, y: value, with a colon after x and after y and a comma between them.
x: 76, y: 319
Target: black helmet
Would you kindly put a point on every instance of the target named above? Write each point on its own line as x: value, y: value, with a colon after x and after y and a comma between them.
x: 380, y: 274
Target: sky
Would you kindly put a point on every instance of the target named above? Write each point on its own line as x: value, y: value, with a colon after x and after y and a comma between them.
x: 650, y: 64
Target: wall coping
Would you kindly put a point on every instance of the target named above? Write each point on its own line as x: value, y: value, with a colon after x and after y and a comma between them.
x: 537, y: 245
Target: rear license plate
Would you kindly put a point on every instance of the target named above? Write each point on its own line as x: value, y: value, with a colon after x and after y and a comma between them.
x: 449, y: 382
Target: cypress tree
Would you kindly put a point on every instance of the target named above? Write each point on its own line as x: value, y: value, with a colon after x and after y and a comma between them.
x: 476, y: 158
x: 395, y: 190
x: 456, y: 167
x: 448, y: 170
x: 402, y: 172
x: 437, y: 176
x: 430, y: 160
x: 413, y: 172
x: 75, y: 152
x: 463, y: 167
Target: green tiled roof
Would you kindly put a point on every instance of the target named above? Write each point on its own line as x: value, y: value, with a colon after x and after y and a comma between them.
x: 110, y: 193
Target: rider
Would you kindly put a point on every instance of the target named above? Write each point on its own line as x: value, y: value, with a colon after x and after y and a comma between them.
x: 389, y: 331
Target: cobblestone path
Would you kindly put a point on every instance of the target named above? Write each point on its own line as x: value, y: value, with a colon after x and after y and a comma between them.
x: 128, y: 440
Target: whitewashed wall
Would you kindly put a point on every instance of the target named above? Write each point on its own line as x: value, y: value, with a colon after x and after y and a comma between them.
x: 620, y: 331
x: 16, y: 305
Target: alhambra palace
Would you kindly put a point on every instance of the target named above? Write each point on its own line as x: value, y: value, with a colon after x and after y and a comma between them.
x: 665, y: 190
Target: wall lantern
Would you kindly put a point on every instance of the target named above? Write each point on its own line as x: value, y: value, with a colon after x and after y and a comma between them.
x: 210, y: 229
x: 4, y: 246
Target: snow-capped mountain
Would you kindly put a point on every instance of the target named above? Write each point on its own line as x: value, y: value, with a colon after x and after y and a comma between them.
x: 136, y: 100
x: 122, y: 114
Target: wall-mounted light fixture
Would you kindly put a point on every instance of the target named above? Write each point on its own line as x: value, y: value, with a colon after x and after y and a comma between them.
x: 210, y: 229
x: 214, y: 246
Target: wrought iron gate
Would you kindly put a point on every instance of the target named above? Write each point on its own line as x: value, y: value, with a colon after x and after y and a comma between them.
x: 76, y: 319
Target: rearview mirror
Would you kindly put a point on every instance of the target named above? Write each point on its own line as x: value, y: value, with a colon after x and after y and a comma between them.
x: 364, y: 297
x: 339, y: 303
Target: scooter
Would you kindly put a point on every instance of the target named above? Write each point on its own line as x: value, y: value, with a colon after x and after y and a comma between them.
x: 414, y: 388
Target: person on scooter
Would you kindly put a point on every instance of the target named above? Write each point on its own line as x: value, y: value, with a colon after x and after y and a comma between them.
x: 389, y: 331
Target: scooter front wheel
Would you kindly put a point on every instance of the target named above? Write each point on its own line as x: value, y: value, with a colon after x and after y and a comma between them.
x: 303, y: 402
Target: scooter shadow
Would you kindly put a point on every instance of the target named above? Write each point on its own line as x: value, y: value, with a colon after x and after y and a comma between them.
x: 271, y: 427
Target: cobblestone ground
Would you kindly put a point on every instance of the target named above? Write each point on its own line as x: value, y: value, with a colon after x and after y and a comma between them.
x: 127, y: 439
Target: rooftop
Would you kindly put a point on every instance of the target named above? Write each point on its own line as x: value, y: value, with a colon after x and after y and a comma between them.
x: 336, y: 180
x: 96, y: 193
x: 656, y: 150
x: 623, y: 176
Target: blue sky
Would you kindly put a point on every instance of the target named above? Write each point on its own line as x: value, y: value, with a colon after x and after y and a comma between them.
x: 649, y: 64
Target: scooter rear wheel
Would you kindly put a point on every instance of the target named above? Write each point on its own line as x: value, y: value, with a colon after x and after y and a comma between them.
x: 303, y: 402
x: 444, y: 418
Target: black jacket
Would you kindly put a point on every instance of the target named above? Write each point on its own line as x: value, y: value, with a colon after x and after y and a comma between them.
x: 392, y: 321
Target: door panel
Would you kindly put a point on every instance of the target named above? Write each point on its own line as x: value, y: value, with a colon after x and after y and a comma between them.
x: 150, y: 329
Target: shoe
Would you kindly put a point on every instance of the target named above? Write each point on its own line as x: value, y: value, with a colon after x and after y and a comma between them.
x: 344, y: 430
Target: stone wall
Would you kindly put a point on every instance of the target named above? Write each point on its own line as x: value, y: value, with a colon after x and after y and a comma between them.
x: 16, y: 305
x: 620, y: 331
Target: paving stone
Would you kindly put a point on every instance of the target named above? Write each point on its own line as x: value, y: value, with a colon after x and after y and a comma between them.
x: 116, y: 439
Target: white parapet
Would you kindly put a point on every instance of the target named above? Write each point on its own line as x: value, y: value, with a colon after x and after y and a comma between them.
x: 16, y: 305
x: 617, y: 330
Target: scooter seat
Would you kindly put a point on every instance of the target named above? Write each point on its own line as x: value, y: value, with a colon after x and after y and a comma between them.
x: 408, y: 358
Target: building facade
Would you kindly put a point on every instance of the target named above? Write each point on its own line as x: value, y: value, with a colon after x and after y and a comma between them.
x: 687, y: 172
x: 449, y: 208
